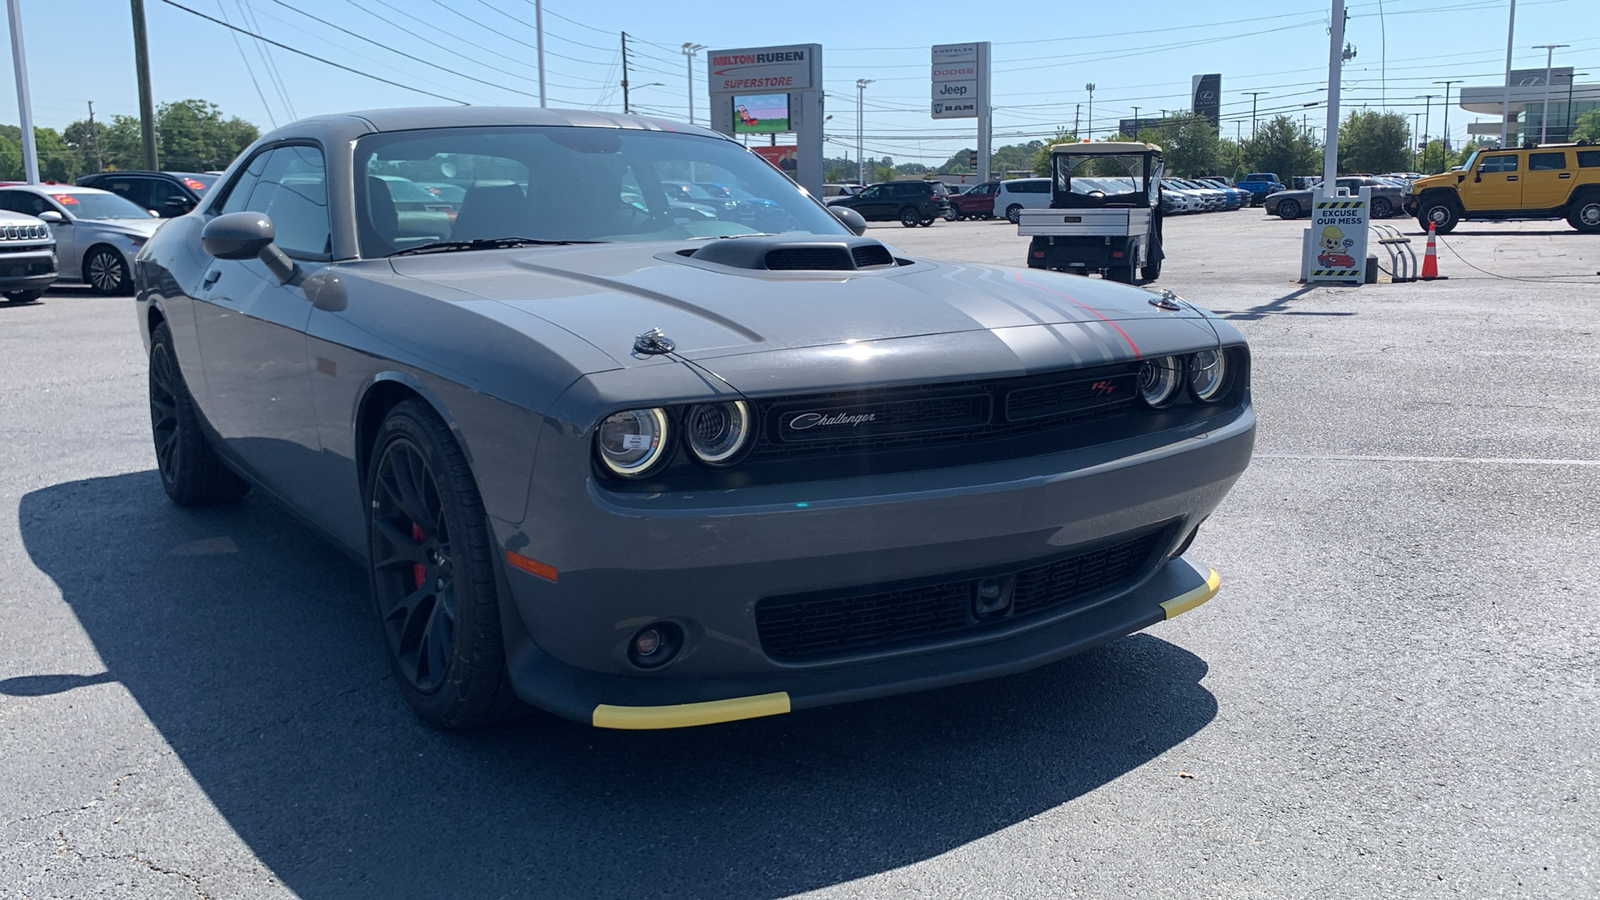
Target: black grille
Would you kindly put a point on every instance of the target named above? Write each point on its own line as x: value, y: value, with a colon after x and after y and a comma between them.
x: 809, y: 258
x: 919, y: 417
x: 872, y: 255
x: 814, y: 627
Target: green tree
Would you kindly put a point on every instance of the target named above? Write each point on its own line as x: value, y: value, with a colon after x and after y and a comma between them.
x: 1587, y: 127
x: 1436, y: 159
x: 1041, y: 156
x: 1282, y: 147
x: 1014, y: 158
x: 84, y: 142
x: 1189, y: 144
x: 10, y: 158
x: 57, y: 161
x: 1230, y: 159
x: 957, y: 163
x: 1370, y: 141
x: 190, y: 134
x: 911, y: 169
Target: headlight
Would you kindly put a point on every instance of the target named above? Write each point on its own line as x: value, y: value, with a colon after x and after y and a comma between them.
x: 1208, y: 373
x: 1158, y: 380
x: 633, y: 441
x: 718, y: 431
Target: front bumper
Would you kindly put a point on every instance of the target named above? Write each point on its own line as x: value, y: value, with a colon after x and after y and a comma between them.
x: 615, y: 564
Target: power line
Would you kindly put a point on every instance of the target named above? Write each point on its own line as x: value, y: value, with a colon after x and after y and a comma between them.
x: 246, y: 59
x: 248, y: 13
x: 297, y: 51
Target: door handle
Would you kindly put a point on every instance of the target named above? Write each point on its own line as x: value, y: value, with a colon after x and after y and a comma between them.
x: 1511, y: 178
x: 1565, y: 175
x: 211, y: 278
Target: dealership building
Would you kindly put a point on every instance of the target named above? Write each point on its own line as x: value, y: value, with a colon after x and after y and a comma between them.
x: 1526, y: 110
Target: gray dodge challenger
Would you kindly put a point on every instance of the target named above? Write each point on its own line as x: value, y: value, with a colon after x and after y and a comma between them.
x: 645, y: 467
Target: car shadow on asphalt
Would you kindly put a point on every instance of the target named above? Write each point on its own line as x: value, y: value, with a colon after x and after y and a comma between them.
x: 1279, y: 306
x: 248, y: 643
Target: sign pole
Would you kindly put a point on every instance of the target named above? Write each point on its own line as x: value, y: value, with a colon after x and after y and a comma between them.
x: 1330, y: 138
x: 30, y: 153
x: 985, y: 113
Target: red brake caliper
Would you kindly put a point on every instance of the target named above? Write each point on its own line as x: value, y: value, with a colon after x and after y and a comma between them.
x: 418, y: 571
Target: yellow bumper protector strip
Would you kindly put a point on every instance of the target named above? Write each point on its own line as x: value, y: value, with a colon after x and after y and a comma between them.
x: 684, y: 715
x: 1184, y: 602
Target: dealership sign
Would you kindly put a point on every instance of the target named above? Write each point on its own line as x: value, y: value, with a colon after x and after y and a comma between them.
x: 760, y: 69
x: 960, y: 80
x: 1208, y: 97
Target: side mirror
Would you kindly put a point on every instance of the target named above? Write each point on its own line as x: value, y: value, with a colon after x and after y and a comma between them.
x: 247, y: 235
x: 53, y: 217
x: 851, y: 219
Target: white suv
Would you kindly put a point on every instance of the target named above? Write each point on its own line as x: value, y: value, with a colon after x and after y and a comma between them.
x: 1019, y: 194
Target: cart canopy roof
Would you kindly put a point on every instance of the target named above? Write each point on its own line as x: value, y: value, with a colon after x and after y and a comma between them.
x: 1098, y: 147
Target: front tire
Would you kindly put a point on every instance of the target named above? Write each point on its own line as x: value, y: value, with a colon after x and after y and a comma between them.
x: 105, y: 271
x: 1585, y: 214
x: 431, y: 562
x: 1440, y: 212
x: 1382, y: 208
x: 1014, y: 213
x: 1288, y: 209
x: 191, y: 471
x: 21, y: 297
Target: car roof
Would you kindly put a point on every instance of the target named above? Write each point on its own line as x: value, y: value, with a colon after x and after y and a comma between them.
x: 53, y: 189
x: 368, y: 121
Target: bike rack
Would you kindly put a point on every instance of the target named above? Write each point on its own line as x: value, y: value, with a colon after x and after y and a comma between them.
x: 1402, y: 259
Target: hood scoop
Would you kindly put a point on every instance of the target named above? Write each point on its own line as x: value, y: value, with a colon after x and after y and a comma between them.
x: 782, y: 253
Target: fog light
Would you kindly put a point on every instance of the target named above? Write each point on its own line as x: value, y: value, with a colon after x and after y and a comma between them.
x: 991, y: 597
x: 655, y: 645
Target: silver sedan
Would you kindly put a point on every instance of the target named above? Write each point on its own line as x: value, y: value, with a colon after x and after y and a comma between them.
x: 97, y: 232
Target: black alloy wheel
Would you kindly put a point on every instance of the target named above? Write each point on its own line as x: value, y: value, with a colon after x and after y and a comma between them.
x: 1288, y: 209
x: 432, y: 570
x: 910, y: 218
x: 1382, y: 208
x: 191, y: 472
x: 106, y: 272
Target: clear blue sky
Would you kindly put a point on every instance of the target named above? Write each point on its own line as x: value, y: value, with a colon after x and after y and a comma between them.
x: 481, y: 51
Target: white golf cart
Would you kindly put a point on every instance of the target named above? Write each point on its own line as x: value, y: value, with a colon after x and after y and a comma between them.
x: 1104, y: 215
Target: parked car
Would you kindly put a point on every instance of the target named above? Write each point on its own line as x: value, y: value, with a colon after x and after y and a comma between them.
x: 1260, y: 184
x: 913, y: 203
x: 749, y: 208
x: 97, y: 232
x: 1554, y: 181
x: 1386, y: 197
x: 976, y: 202
x: 840, y: 190
x: 635, y: 477
x: 27, y: 257
x: 1018, y: 194
x: 1202, y: 199
x: 1237, y: 197
x: 167, y: 194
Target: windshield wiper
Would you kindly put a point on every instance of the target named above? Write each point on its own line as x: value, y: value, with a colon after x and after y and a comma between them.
x: 500, y: 243
x: 726, y: 237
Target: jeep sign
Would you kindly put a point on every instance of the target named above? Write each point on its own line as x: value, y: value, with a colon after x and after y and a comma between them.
x: 960, y: 80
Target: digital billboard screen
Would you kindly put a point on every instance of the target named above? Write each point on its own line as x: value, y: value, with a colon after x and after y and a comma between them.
x: 760, y: 113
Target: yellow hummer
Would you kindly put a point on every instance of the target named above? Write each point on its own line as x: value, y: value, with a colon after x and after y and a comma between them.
x: 1552, y: 181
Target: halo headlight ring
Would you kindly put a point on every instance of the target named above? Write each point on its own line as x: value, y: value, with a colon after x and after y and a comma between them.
x: 1160, y: 380
x: 631, y: 443
x: 1208, y: 375
x: 718, y: 433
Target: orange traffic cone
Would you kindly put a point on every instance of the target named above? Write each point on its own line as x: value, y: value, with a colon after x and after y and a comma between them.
x: 1430, y: 259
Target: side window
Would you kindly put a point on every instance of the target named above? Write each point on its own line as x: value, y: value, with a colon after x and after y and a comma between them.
x: 238, y: 195
x: 1589, y: 159
x: 872, y: 193
x: 22, y: 202
x: 293, y: 192
x: 1505, y: 163
x: 136, y: 190
x: 1547, y: 162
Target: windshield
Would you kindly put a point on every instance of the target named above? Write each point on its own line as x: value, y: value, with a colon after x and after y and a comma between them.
x: 100, y: 206
x: 558, y: 183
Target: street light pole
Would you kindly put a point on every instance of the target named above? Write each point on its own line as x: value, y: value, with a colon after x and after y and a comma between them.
x: 861, y: 159
x: 1505, y: 101
x: 1253, y: 96
x: 1090, y: 88
x: 30, y: 153
x: 538, y: 28
x: 1427, y: 120
x: 1544, y: 116
x: 690, y: 48
x: 1416, y: 145
x: 1447, y: 84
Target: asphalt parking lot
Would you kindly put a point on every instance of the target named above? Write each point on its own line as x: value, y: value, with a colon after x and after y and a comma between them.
x: 1395, y: 694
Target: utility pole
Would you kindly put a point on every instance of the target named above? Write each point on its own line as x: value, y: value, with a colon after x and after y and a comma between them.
x: 1330, y: 140
x: 94, y: 140
x: 1544, y: 116
x: 30, y: 151
x: 147, y: 111
x: 1135, y: 121
x: 1505, y: 101
x: 1077, y: 113
x: 1427, y: 119
x: 1254, y: 95
x: 538, y: 27
x: 861, y: 159
x: 625, y: 72
x: 1416, y: 145
x: 1090, y: 88
x: 690, y: 48
x: 1447, y: 84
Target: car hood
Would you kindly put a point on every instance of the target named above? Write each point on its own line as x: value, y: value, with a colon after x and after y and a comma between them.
x: 135, y: 227
x: 609, y: 294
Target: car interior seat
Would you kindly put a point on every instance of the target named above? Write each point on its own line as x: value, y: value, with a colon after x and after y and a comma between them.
x: 492, y: 210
